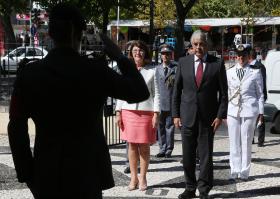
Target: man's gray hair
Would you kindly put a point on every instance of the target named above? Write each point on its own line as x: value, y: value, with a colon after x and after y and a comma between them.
x: 199, y: 34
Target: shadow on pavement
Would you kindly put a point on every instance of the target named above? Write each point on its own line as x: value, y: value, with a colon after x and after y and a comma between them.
x: 252, y: 193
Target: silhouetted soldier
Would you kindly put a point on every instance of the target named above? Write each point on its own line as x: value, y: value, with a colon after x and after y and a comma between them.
x: 71, y: 158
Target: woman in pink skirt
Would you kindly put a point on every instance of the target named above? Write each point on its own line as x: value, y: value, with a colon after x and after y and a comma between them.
x: 138, y: 122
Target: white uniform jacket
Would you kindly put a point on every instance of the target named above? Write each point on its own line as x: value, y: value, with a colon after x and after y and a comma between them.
x: 153, y: 102
x: 246, y: 96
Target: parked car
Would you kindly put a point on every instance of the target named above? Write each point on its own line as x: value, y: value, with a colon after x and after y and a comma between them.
x: 9, y: 62
x: 272, y: 106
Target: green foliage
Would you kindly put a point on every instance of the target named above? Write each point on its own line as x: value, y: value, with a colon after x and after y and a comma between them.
x: 100, y: 11
x: 8, y: 6
x: 214, y: 8
x: 237, y: 8
x: 165, y: 11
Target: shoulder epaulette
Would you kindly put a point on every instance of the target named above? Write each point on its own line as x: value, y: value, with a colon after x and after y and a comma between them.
x: 254, y: 67
x: 229, y: 67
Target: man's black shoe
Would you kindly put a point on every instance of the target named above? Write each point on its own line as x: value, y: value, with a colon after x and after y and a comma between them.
x: 260, y: 145
x: 160, y: 155
x: 168, y: 155
x: 127, y: 170
x: 204, y: 196
x: 187, y: 195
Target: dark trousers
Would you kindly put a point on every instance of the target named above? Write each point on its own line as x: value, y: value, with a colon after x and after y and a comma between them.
x: 198, y: 137
x: 166, y: 132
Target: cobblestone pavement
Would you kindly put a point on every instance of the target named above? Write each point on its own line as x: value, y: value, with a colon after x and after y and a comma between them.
x: 165, y: 176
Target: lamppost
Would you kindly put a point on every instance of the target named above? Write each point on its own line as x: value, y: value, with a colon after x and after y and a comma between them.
x: 151, y: 23
x: 118, y: 19
x: 247, y: 22
x: 30, y: 21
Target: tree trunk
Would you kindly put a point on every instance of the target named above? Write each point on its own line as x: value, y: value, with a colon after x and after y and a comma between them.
x: 181, y: 12
x: 105, y: 21
x: 10, y: 39
x: 179, y: 32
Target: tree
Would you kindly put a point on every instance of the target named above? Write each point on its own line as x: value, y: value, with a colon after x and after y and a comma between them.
x: 35, y: 17
x: 213, y: 9
x: 237, y: 8
x: 182, y: 9
x: 98, y: 11
x: 6, y: 10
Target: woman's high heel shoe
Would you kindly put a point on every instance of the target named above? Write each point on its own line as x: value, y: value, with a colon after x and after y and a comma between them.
x: 143, y: 187
x: 132, y: 187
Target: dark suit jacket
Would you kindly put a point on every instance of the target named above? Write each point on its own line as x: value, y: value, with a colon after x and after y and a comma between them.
x: 259, y: 65
x: 210, y: 100
x: 64, y: 95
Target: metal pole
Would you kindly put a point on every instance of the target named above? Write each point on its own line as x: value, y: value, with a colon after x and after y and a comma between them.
x: 118, y: 19
x: 222, y: 54
x: 30, y: 22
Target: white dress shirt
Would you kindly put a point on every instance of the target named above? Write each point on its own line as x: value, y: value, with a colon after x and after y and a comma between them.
x: 197, y: 61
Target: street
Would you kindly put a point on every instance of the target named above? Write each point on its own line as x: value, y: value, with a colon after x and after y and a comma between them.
x: 165, y: 176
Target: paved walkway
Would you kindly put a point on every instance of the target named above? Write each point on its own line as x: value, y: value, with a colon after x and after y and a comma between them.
x: 165, y: 176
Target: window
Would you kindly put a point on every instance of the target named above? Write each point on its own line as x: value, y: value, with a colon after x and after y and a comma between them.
x: 20, y: 52
x: 39, y: 52
x: 31, y: 52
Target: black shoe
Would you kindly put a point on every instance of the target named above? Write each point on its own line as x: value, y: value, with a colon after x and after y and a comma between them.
x: 204, y: 196
x: 253, y: 142
x: 168, y: 155
x: 160, y: 155
x: 187, y: 195
x: 260, y: 145
x: 181, y: 161
x: 127, y: 170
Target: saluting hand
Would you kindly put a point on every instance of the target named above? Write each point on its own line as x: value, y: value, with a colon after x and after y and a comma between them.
x: 216, y: 123
x: 111, y: 49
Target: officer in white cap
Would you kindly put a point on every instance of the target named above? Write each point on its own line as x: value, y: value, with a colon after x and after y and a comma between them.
x: 246, y: 102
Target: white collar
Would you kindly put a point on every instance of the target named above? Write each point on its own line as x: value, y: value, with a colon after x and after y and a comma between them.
x: 253, y: 62
x: 196, y: 59
x: 238, y: 66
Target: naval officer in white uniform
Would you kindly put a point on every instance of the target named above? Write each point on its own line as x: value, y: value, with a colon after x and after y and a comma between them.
x: 246, y: 103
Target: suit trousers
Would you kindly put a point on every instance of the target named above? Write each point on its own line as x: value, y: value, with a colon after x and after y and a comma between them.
x: 198, y: 137
x: 166, y: 132
x: 240, y: 131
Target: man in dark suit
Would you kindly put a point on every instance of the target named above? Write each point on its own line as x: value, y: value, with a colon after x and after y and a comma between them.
x: 199, y: 104
x: 257, y: 64
x: 64, y: 95
x: 165, y: 73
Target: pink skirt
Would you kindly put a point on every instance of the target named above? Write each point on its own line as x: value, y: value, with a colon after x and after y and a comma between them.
x: 137, y: 127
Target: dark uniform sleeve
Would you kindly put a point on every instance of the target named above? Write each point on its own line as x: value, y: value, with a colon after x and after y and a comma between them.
x: 177, y: 92
x: 129, y: 85
x: 18, y: 133
x: 223, y: 93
